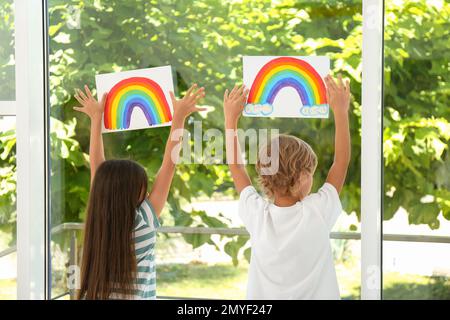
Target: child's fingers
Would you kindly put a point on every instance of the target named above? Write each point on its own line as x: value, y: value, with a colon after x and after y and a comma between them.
x: 230, y: 96
x: 241, y: 95
x: 103, y: 100
x: 188, y: 93
x: 172, y: 97
x: 225, y: 95
x: 331, y: 85
x: 79, y: 99
x: 245, y: 95
x: 200, y: 92
x: 80, y: 109
x: 327, y: 83
x: 201, y: 95
x: 200, y: 109
x: 347, y: 85
x: 196, y: 98
x: 341, y: 83
x: 233, y: 92
x: 240, y: 90
x: 82, y: 95
x: 88, y: 92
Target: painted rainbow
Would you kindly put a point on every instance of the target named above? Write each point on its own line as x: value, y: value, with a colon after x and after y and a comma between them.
x: 131, y: 93
x: 285, y: 72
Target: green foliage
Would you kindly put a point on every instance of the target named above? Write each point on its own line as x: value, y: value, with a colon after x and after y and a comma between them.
x: 204, y: 41
x: 7, y: 71
x: 193, y: 37
x: 69, y: 173
x: 416, y: 117
x: 233, y: 247
x: 8, y: 179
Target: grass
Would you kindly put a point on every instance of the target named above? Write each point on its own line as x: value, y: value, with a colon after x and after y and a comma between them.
x: 8, y: 289
x: 223, y: 281
x: 349, y: 278
x: 199, y: 280
x: 411, y: 287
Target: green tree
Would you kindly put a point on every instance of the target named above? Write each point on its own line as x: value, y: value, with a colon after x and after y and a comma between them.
x: 204, y: 42
x: 7, y: 71
x: 193, y: 37
x: 416, y: 116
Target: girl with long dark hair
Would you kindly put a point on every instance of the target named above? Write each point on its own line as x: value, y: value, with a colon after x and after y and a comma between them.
x: 122, y: 215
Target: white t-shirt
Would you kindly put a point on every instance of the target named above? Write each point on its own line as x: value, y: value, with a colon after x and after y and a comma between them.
x: 291, y: 252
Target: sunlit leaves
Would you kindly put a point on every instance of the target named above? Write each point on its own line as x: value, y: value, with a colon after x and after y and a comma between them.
x: 7, y: 70
x: 204, y: 41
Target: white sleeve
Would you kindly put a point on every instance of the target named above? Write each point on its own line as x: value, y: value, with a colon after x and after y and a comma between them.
x: 328, y: 203
x: 251, y: 207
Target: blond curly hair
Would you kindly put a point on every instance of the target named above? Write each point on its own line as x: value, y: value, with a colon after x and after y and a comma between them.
x: 295, y: 157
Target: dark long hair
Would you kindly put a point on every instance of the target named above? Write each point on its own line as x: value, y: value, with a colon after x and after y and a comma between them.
x: 109, y: 262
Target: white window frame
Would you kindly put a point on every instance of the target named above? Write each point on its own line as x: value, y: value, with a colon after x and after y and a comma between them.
x: 31, y: 110
x: 31, y: 127
x: 7, y: 108
x: 371, y: 150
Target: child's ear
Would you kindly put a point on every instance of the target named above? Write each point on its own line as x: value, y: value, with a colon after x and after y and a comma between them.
x: 298, y: 184
x: 303, y: 178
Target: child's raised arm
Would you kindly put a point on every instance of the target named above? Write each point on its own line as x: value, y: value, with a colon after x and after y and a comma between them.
x: 181, y: 110
x: 339, y: 100
x: 233, y: 104
x: 94, y: 110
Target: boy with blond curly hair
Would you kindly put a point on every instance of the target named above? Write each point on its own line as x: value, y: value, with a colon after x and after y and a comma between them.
x: 291, y: 252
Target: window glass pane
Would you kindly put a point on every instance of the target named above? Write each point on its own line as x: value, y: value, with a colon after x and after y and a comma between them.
x: 198, y: 273
x: 7, y: 65
x: 204, y: 42
x: 416, y: 149
x: 8, y: 262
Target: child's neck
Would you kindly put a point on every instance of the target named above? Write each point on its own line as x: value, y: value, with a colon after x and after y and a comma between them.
x: 285, y: 201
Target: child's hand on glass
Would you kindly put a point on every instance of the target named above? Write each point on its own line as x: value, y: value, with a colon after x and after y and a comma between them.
x: 90, y: 106
x: 234, y: 102
x: 185, y: 106
x: 338, y: 94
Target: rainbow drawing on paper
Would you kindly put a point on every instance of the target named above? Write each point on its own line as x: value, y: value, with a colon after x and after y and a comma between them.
x: 287, y: 72
x: 131, y: 93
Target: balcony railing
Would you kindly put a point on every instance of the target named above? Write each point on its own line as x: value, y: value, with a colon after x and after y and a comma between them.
x: 242, y: 232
